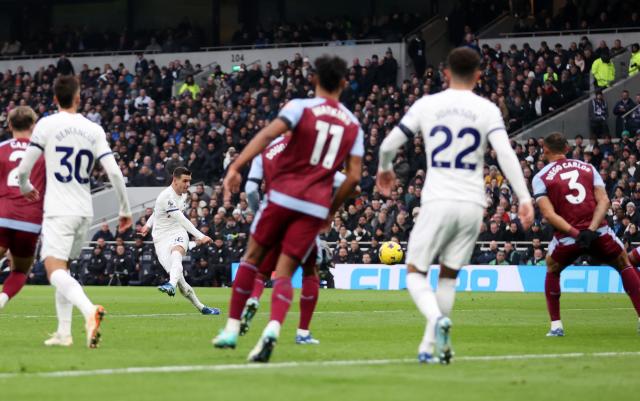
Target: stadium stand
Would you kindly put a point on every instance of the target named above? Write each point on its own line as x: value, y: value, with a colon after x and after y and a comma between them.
x: 204, y: 128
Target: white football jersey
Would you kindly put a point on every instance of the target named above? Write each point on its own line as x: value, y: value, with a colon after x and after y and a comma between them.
x: 71, y: 145
x: 163, y: 224
x: 455, y: 125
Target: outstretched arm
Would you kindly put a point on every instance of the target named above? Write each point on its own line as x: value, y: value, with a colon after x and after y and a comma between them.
x: 388, y: 149
x: 186, y: 224
x: 117, y: 181
x: 233, y: 179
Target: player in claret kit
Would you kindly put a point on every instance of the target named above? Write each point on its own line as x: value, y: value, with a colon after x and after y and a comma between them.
x: 263, y: 168
x: 572, y: 197
x: 325, y: 137
x: 20, y: 219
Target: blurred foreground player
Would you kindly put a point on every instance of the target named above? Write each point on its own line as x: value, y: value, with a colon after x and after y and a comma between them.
x: 325, y: 137
x: 71, y: 144
x: 20, y: 219
x: 571, y: 195
x: 263, y: 168
x: 457, y: 126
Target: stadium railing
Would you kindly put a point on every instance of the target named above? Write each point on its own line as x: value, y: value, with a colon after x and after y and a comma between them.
x: 567, y: 32
x: 92, y: 53
x: 626, y: 115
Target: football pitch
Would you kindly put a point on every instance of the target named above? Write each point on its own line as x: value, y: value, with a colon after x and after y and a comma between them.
x: 157, y: 348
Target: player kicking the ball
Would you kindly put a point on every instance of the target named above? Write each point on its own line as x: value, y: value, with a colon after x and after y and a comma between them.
x: 572, y: 197
x: 171, y: 231
x: 71, y: 144
x: 20, y: 219
x: 325, y: 136
x: 456, y: 125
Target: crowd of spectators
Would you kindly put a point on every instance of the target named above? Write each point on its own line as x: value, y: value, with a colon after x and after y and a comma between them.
x: 187, y: 36
x: 339, y: 31
x: 578, y: 15
x: 152, y: 133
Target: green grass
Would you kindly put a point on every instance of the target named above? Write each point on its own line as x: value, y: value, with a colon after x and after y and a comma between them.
x: 352, y: 325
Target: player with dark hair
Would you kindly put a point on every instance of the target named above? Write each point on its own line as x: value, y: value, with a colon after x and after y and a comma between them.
x: 171, y: 231
x: 325, y: 137
x: 70, y: 144
x: 263, y: 168
x: 457, y: 125
x: 571, y: 195
x: 20, y: 218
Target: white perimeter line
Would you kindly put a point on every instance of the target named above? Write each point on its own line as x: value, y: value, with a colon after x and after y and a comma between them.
x: 356, y: 362
x: 15, y: 316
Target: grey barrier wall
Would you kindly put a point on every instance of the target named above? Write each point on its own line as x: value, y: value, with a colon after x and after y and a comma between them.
x: 227, y: 59
x: 575, y: 120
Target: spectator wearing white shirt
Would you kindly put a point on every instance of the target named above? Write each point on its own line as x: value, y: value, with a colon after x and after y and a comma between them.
x: 142, y: 102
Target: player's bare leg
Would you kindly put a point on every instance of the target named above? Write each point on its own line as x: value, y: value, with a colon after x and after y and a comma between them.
x: 17, y: 277
x: 308, y: 301
x: 240, y: 291
x: 630, y: 280
x: 68, y: 289
x: 425, y: 299
x: 552, y: 293
x: 280, y: 302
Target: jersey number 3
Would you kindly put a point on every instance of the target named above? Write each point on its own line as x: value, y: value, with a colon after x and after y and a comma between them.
x: 324, y: 129
x: 574, y: 185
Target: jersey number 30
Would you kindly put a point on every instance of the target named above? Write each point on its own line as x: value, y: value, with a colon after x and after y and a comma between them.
x: 574, y: 185
x: 74, y: 170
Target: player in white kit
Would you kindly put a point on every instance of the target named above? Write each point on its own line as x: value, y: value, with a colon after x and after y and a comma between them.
x: 456, y: 125
x: 71, y: 145
x: 171, y: 231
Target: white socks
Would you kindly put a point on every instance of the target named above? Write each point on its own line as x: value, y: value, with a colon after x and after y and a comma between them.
x: 233, y: 326
x: 272, y: 327
x: 303, y: 333
x: 4, y: 298
x: 446, y: 295
x: 423, y: 296
x: 556, y: 324
x: 175, y: 273
x: 72, y: 291
x: 432, y: 305
x: 187, y: 291
x: 64, y: 310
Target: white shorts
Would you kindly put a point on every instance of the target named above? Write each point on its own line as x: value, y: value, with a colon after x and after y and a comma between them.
x: 63, y: 236
x: 445, y: 229
x: 165, y: 244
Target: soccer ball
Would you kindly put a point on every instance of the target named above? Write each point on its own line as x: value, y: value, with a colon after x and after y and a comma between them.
x: 390, y: 253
